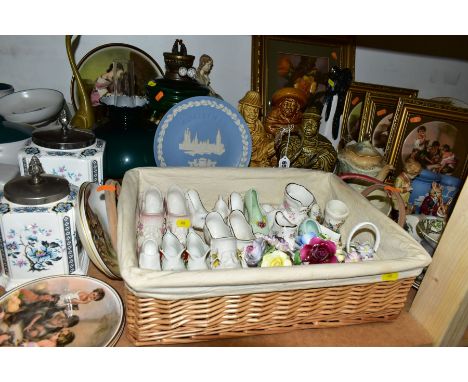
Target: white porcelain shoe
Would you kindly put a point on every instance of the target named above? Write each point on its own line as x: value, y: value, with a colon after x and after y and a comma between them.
x: 172, y: 251
x: 284, y: 228
x: 149, y: 256
x: 299, y: 203
x: 150, y: 223
x: 222, y: 208
x: 198, y: 212
x: 177, y: 216
x: 197, y: 251
x: 241, y: 229
x: 223, y: 248
x: 235, y: 202
x: 215, y: 227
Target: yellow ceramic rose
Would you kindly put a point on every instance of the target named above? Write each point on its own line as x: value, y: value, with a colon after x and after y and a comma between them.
x: 276, y: 259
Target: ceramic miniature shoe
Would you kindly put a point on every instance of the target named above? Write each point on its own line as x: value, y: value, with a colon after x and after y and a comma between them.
x: 172, y: 251
x: 223, y: 248
x: 284, y: 228
x: 241, y: 229
x: 299, y: 203
x: 215, y: 227
x: 254, y: 214
x: 177, y: 213
x: 197, y: 211
x: 223, y: 253
x: 197, y: 252
x: 151, y: 219
x: 235, y: 202
x: 149, y: 256
x: 222, y: 208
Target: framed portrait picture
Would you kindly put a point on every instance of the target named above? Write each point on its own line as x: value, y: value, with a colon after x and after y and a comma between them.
x: 353, y: 110
x: 297, y: 61
x: 434, y: 134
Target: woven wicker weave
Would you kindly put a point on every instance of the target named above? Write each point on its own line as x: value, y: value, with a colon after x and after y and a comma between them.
x: 153, y: 321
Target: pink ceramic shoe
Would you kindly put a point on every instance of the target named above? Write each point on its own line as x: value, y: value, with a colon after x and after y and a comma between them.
x: 177, y: 213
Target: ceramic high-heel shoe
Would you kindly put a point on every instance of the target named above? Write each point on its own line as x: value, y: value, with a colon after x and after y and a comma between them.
x: 177, y: 213
x: 299, y: 203
x: 222, y: 208
x: 223, y: 247
x: 284, y: 229
x: 172, y: 251
x: 241, y: 229
x: 149, y: 256
x: 198, y: 212
x: 151, y: 219
x: 235, y: 202
x: 197, y: 251
x: 254, y: 214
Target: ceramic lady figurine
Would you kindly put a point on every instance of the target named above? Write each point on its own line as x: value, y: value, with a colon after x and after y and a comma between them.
x: 411, y: 170
x: 309, y: 149
x: 285, y: 114
x: 202, y: 75
x: 262, y: 144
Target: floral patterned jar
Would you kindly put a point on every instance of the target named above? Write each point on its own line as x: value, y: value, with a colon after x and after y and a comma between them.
x: 38, y: 237
x: 71, y: 153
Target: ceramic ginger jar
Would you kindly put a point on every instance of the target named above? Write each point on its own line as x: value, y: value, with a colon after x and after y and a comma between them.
x: 37, y: 228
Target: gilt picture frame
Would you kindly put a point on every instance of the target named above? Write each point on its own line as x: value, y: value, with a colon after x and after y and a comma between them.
x: 353, y: 125
x: 298, y: 61
x: 420, y: 127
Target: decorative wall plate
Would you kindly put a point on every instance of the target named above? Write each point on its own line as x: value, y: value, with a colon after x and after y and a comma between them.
x: 98, y: 60
x: 202, y: 132
x: 61, y: 311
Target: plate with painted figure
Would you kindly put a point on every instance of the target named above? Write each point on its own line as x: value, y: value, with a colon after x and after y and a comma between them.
x: 202, y: 132
x: 60, y: 311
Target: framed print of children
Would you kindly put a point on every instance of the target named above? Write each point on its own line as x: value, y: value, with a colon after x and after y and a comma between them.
x: 105, y: 83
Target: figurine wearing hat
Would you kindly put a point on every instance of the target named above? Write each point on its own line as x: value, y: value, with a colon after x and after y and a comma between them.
x: 285, y: 114
x: 263, y: 150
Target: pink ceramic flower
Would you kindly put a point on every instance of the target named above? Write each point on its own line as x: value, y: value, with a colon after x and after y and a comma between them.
x: 319, y: 251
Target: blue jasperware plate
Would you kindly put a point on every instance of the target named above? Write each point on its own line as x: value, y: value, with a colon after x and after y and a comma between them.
x: 202, y: 132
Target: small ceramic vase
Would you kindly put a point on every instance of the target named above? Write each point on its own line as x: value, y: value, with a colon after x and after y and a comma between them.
x: 172, y: 251
x: 241, y: 229
x: 178, y: 215
x: 365, y: 250
x: 299, y: 203
x: 149, y: 256
x: 197, y: 211
x: 197, y: 251
x: 336, y: 213
x: 254, y: 214
x: 151, y: 219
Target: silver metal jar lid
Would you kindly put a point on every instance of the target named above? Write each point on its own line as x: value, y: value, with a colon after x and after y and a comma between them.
x: 36, y: 188
x: 66, y: 138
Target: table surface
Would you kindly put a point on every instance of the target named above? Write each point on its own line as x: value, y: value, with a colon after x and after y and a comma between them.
x: 404, y: 331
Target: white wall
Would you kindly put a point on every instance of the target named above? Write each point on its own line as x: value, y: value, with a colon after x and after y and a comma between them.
x: 41, y: 61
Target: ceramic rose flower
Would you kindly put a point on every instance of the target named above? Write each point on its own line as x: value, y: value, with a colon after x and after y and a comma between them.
x: 252, y: 253
x: 319, y: 251
x: 276, y: 259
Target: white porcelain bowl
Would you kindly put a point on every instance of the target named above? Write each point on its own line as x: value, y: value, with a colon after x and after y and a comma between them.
x: 31, y: 106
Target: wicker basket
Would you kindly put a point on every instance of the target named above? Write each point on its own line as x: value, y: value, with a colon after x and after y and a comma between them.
x: 164, y: 307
